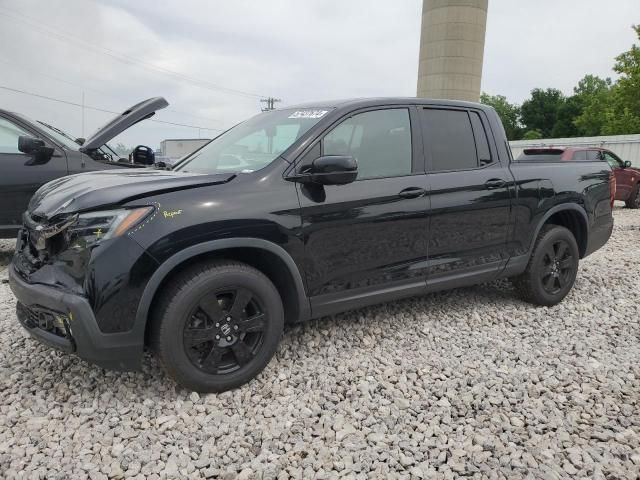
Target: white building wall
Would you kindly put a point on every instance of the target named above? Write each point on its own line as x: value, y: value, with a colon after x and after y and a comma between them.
x: 627, y: 147
x: 177, y: 148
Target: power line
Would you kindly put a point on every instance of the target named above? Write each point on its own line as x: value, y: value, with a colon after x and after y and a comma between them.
x: 41, y: 27
x: 41, y: 74
x: 100, y: 109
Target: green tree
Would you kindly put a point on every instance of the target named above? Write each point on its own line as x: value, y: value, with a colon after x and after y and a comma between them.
x: 540, y: 112
x: 620, y: 120
x: 568, y: 111
x: 594, y: 95
x: 623, y: 116
x: 509, y: 113
x: 532, y: 135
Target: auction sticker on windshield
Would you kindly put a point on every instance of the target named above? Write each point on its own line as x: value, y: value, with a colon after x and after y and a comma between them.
x: 308, y: 114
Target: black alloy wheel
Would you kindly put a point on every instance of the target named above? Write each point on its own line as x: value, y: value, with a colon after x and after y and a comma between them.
x: 558, y: 267
x: 552, y: 267
x: 217, y: 325
x: 225, y: 331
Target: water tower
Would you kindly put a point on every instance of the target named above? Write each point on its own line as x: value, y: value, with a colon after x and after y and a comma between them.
x: 452, y: 49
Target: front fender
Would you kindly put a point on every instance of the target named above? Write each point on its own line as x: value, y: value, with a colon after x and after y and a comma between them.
x: 182, y: 256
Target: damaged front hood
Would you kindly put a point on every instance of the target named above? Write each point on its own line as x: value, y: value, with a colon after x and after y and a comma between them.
x: 92, y: 190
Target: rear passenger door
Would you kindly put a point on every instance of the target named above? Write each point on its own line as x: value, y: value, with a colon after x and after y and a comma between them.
x: 367, y: 238
x: 469, y: 222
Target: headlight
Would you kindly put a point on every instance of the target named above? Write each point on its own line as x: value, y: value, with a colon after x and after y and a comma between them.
x: 93, y: 227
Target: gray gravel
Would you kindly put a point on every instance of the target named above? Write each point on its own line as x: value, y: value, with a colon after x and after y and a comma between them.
x: 469, y: 382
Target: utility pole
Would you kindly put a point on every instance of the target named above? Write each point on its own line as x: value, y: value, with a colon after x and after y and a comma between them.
x: 82, y: 129
x: 270, y: 102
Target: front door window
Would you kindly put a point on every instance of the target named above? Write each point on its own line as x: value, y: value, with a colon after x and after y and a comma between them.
x: 9, y: 133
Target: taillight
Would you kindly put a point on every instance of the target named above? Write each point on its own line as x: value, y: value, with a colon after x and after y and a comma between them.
x: 612, y: 187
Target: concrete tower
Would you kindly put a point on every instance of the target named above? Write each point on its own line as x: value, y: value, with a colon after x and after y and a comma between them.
x: 452, y: 49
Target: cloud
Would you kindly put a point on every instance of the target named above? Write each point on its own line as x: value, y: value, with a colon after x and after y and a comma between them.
x: 295, y: 50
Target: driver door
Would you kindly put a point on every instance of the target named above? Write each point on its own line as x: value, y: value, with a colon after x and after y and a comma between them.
x: 19, y: 177
x: 367, y: 239
x: 626, y: 178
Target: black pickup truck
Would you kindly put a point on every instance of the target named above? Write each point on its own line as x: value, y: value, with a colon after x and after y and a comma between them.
x: 294, y: 214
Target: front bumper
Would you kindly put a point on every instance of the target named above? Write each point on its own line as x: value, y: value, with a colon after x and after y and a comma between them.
x: 65, y: 321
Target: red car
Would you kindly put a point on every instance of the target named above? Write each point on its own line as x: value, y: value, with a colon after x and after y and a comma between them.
x: 627, y: 177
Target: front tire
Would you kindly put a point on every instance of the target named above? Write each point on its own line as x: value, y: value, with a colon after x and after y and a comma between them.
x: 634, y: 198
x: 552, y: 268
x: 217, y: 326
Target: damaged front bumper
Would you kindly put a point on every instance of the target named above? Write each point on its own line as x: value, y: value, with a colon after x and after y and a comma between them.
x: 66, y: 322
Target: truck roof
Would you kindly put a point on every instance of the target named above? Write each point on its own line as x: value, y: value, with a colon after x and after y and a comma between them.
x: 375, y: 101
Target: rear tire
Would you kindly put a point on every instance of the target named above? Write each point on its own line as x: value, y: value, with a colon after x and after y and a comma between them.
x: 634, y: 198
x: 217, y: 325
x: 552, y: 268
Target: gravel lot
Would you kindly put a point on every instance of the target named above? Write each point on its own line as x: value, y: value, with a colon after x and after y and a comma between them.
x: 469, y: 382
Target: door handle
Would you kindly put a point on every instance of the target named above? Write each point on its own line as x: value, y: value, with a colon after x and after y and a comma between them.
x: 494, y: 184
x: 412, y: 192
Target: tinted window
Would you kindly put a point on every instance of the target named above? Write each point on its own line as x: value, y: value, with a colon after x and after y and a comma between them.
x: 579, y: 156
x: 380, y: 141
x: 593, y: 155
x: 449, y: 135
x: 482, y: 141
x: 9, y: 133
x: 540, y: 155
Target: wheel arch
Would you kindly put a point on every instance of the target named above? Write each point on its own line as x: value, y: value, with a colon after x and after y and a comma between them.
x: 266, y: 256
x: 571, y: 216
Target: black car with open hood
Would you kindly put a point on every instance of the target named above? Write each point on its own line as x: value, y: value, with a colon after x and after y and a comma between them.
x: 295, y: 214
x: 33, y: 153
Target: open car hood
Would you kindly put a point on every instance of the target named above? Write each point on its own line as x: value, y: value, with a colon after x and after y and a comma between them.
x: 107, y: 188
x: 119, y: 124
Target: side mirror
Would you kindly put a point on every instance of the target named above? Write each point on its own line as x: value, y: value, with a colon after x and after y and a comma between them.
x: 36, y: 148
x: 28, y: 144
x: 143, y: 155
x: 80, y: 141
x: 329, y: 170
x: 627, y: 164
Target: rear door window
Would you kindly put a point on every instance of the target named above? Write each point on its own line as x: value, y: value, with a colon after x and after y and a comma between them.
x: 448, y: 134
x: 580, y: 156
x: 594, y: 155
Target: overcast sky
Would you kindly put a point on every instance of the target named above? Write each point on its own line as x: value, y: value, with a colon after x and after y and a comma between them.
x: 119, y: 52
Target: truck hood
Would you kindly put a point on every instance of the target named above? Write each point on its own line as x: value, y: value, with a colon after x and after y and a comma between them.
x: 95, y: 190
x: 119, y: 124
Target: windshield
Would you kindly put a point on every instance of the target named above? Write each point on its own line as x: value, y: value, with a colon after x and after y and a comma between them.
x: 60, y: 136
x: 253, y: 144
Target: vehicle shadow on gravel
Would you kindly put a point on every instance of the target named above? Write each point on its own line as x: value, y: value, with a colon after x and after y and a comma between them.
x: 464, y: 300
